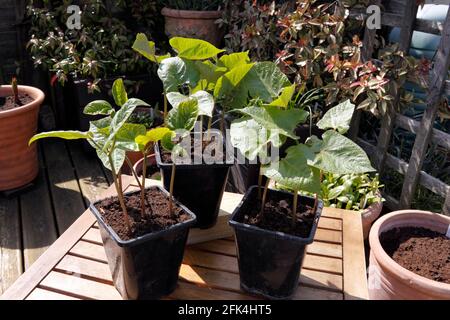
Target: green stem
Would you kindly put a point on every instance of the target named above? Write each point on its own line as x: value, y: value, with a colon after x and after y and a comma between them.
x: 264, y: 197
x: 118, y: 185
x: 133, y: 172
x: 260, y: 177
x: 144, y: 174
x: 172, y: 182
x: 294, y: 208
x: 165, y: 108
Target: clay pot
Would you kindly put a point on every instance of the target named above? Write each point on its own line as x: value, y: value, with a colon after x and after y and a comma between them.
x: 389, y: 280
x: 193, y: 24
x: 151, y: 161
x: 369, y: 216
x: 18, y: 162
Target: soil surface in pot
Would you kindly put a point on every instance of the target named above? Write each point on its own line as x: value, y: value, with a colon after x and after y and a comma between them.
x: 8, y: 103
x: 157, y: 216
x: 153, y: 173
x: 277, y: 216
x: 195, y: 152
x: 420, y: 250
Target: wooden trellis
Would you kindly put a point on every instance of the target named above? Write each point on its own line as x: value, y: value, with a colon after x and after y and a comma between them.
x: 405, y: 19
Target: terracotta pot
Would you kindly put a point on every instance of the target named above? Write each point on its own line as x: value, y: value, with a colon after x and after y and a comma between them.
x: 193, y: 24
x: 389, y: 280
x: 369, y: 216
x: 19, y: 162
x: 151, y: 161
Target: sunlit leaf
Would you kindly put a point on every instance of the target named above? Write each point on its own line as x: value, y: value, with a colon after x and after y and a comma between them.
x: 338, y: 118
x: 98, y: 107
x: 194, y: 49
x: 119, y: 93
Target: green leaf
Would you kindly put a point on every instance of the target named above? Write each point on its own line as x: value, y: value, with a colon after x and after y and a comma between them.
x: 273, y: 118
x: 67, y: 135
x: 175, y: 72
x: 252, y: 139
x: 231, y: 89
x: 194, y: 49
x: 233, y: 60
x: 166, y: 141
x: 121, y: 117
x: 147, y: 48
x: 340, y: 155
x: 294, y: 172
x: 126, y: 136
x: 98, y: 107
x: 338, y: 118
x: 184, y: 116
x: 266, y: 81
x: 204, y: 99
x: 119, y: 93
x: 118, y: 158
x: 153, y: 135
x: 285, y: 97
x: 209, y: 73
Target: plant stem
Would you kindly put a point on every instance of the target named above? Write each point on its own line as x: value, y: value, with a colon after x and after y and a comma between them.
x: 260, y: 177
x: 263, y: 202
x: 165, y: 108
x: 222, y: 121
x: 118, y: 185
x: 15, y: 91
x: 294, y: 208
x: 133, y: 172
x: 316, y: 202
x: 144, y: 174
x: 208, y: 133
x: 172, y: 182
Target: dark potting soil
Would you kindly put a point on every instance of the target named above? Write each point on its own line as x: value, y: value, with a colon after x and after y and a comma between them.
x: 167, y: 158
x: 277, y: 216
x: 8, y: 103
x: 420, y: 250
x: 157, y: 216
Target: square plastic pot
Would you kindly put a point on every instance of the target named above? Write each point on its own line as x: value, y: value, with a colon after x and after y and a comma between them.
x: 199, y: 187
x: 146, y: 267
x: 270, y: 262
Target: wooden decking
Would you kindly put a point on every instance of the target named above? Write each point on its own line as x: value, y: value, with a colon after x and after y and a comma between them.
x: 33, y: 220
x: 75, y: 267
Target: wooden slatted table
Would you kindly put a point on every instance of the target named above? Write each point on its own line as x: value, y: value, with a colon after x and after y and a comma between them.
x: 75, y: 266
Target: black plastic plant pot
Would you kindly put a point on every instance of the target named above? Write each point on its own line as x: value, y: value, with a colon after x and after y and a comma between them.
x: 146, y: 267
x: 270, y: 262
x: 199, y: 187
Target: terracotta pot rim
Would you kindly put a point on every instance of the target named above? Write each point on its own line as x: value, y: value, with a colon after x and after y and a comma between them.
x: 191, y: 14
x: 35, y: 93
x: 376, y: 206
x: 140, y: 162
x: 393, y: 268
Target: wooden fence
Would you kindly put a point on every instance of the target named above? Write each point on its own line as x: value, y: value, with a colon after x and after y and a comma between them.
x: 402, y: 14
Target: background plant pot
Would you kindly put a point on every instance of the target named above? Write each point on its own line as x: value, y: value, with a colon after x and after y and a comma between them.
x: 269, y: 262
x: 199, y: 187
x: 193, y: 24
x: 152, y: 167
x: 18, y: 161
x: 369, y: 215
x: 146, y: 267
x: 389, y: 280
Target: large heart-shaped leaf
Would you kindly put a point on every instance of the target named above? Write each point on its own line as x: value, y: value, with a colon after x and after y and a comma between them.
x: 338, y: 118
x: 275, y: 119
x: 121, y: 117
x: 175, y: 72
x: 204, y: 99
x: 233, y: 60
x: 98, y: 107
x: 67, y: 135
x: 293, y: 171
x: 266, y: 81
x: 284, y: 98
x: 194, y: 49
x: 153, y: 135
x: 147, y: 48
x: 252, y: 139
x: 231, y: 89
x: 209, y: 74
x: 119, y: 92
x: 340, y: 155
x: 126, y: 136
x: 118, y: 158
x: 184, y: 116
